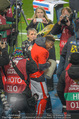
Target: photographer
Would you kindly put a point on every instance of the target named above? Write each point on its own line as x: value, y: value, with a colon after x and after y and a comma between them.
x: 65, y: 27
x: 39, y: 20
x: 72, y: 44
x: 4, y: 60
x: 28, y: 44
x: 17, y: 84
x: 11, y: 33
x: 68, y: 87
x: 4, y: 6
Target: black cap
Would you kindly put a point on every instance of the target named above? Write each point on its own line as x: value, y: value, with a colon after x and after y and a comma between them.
x: 74, y: 58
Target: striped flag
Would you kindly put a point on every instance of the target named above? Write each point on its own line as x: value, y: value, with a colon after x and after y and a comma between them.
x: 44, y: 5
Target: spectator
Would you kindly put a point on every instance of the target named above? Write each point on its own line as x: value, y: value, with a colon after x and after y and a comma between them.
x: 27, y: 44
x: 40, y: 19
x: 40, y: 54
x: 65, y: 27
x: 68, y: 87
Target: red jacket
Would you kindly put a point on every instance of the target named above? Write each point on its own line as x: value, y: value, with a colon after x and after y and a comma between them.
x: 71, y: 93
x: 66, y: 34
x: 13, y: 83
x: 39, y: 55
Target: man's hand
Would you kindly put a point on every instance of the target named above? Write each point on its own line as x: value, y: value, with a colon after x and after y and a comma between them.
x: 49, y: 62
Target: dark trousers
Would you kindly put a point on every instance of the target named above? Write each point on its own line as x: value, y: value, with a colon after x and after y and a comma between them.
x: 50, y: 85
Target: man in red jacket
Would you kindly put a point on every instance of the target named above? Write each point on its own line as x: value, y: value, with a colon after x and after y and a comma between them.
x: 40, y: 54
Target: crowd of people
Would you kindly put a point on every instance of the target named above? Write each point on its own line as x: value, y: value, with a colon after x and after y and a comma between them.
x: 24, y: 85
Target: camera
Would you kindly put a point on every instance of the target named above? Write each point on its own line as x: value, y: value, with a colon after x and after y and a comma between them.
x: 64, y: 20
x: 24, y: 48
x: 38, y: 20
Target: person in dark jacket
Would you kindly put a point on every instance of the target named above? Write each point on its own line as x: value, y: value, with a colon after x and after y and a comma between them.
x: 68, y: 87
x: 4, y: 60
x: 11, y: 33
x: 4, y: 5
x: 28, y: 44
x: 17, y: 84
x: 72, y: 45
x: 65, y: 27
x: 40, y: 19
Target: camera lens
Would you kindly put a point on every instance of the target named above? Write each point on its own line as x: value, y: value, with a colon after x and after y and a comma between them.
x: 64, y: 20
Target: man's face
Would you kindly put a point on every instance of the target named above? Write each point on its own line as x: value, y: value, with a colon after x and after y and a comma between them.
x: 32, y: 35
x: 49, y: 45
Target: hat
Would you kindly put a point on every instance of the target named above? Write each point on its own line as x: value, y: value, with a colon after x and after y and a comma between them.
x: 18, y: 53
x: 74, y: 58
x: 4, y: 4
